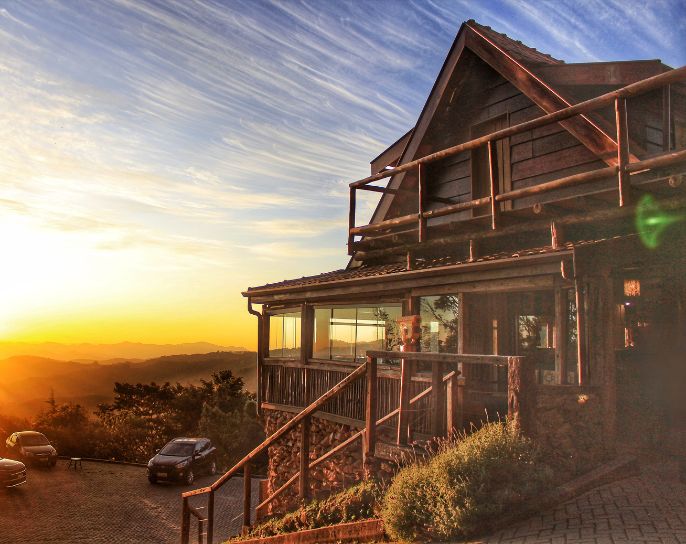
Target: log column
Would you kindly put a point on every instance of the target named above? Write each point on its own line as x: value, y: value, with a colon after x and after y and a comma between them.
x: 521, y: 393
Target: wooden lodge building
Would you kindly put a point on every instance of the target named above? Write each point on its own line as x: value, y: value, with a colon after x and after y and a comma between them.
x: 527, y: 254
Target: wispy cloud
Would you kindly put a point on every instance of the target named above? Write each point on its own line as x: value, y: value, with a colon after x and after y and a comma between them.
x: 193, y: 133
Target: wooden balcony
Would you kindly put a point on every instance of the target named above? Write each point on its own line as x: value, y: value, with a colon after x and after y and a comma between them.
x: 472, y: 388
x: 411, y: 232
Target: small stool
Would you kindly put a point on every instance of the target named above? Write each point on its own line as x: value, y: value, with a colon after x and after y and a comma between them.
x: 75, y: 463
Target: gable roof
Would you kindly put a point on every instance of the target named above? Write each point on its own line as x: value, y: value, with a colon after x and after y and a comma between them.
x: 521, y: 66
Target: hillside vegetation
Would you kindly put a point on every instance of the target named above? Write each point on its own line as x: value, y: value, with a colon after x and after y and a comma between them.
x: 27, y: 382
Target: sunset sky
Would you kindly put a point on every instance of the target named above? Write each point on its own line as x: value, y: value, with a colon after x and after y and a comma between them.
x: 159, y: 157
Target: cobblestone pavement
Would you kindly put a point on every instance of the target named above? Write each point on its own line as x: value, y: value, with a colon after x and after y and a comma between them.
x: 107, y: 503
x: 649, y: 508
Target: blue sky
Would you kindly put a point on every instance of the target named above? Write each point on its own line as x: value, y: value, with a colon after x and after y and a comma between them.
x: 163, y: 156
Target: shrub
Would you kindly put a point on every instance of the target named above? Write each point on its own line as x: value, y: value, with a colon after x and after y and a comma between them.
x: 469, y: 483
x: 355, y: 503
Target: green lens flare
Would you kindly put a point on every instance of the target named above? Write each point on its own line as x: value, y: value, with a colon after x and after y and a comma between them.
x: 652, y: 221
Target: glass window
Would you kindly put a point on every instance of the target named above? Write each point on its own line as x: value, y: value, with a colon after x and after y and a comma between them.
x: 439, y: 323
x: 284, y: 334
x: 347, y: 333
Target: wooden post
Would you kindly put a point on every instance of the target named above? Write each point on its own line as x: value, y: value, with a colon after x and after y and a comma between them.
x: 493, y: 178
x: 421, y: 182
x: 437, y: 399
x: 556, y: 235
x: 406, y: 369
x: 622, y: 152
x: 371, y: 409
x: 666, y: 118
x: 560, y: 339
x: 304, y: 480
x: 351, y: 221
x: 185, y: 522
x: 260, y: 363
x: 454, y: 407
x: 247, y: 493
x: 473, y: 251
x: 581, y: 332
x: 210, y: 518
x: 521, y: 393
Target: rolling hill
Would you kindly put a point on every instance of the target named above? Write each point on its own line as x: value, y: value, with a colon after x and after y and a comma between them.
x: 26, y: 382
x: 107, y: 353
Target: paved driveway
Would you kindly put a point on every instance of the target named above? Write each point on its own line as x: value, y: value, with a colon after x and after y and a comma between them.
x: 645, y: 509
x: 106, y: 503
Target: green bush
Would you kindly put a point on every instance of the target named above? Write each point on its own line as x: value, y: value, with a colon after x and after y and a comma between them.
x: 355, y: 503
x: 463, y: 489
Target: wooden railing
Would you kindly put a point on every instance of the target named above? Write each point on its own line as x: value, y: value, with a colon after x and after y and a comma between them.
x: 622, y: 166
x: 245, y: 464
x: 443, y: 392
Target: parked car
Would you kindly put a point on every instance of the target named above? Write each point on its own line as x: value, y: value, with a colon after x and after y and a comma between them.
x: 12, y: 473
x: 31, y: 447
x: 182, y: 459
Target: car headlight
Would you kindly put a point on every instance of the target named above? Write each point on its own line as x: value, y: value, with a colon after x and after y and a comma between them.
x: 183, y: 464
x: 150, y: 463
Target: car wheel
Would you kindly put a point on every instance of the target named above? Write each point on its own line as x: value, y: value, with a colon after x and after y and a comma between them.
x: 152, y: 479
x: 213, y: 467
x: 188, y: 480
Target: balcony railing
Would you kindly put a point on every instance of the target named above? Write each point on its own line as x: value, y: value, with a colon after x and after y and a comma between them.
x: 623, y: 166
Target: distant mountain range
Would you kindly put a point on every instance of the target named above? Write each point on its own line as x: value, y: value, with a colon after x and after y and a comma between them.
x: 27, y: 382
x: 107, y: 353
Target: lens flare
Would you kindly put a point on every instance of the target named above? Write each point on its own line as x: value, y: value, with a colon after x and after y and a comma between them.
x: 652, y: 221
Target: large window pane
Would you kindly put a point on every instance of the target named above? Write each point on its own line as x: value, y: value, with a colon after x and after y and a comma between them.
x: 377, y: 329
x: 275, y: 336
x: 284, y: 335
x: 347, y: 333
x: 321, y: 348
x: 439, y: 323
x: 343, y: 334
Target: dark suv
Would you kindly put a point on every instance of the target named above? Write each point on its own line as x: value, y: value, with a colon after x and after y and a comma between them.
x: 31, y: 447
x: 182, y: 459
x: 12, y: 473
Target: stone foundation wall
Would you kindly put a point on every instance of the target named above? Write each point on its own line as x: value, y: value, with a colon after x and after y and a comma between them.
x: 568, y: 422
x: 334, y: 474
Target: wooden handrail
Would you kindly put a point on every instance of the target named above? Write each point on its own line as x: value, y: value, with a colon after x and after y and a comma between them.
x: 621, y: 166
x: 244, y: 463
x: 432, y: 357
x: 347, y: 442
x: 634, y: 89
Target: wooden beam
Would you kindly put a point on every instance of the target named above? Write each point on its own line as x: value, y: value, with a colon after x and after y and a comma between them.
x: 304, y: 480
x: 421, y: 181
x: 406, y: 368
x: 493, y: 184
x: 437, y: 398
x: 247, y: 494
x: 581, y: 332
x: 666, y: 118
x: 561, y: 334
x: 473, y: 250
x: 622, y: 151
x: 582, y: 127
x: 351, y: 221
x: 556, y: 235
x: 455, y: 404
x: 599, y: 73
x: 370, y: 408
